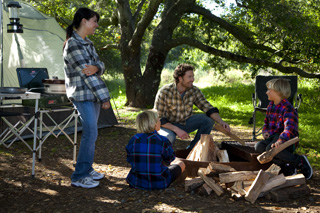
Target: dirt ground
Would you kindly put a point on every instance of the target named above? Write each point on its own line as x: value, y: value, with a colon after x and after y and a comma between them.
x: 50, y: 190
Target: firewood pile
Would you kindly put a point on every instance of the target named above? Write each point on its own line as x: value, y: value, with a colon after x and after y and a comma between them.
x: 221, y: 178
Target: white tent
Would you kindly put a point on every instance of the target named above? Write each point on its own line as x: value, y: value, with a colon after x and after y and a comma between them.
x: 39, y: 46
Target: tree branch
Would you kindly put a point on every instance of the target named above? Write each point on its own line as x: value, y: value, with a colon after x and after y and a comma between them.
x: 110, y: 46
x: 136, y: 14
x: 126, y: 18
x: 240, y: 58
x: 145, y: 22
x: 235, y: 31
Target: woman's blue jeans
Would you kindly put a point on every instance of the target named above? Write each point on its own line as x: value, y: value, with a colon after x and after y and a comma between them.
x: 88, y: 112
x: 200, y: 122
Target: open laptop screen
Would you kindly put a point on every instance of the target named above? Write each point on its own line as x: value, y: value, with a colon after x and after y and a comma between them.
x: 32, y: 77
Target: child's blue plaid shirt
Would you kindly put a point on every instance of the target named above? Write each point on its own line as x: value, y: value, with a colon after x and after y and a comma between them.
x: 147, y: 153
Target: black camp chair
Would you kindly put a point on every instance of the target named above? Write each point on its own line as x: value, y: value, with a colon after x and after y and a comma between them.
x: 260, y: 99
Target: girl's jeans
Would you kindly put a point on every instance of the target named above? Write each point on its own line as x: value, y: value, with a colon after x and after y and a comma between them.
x: 88, y: 113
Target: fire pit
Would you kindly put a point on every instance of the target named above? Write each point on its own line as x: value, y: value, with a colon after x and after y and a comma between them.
x: 242, y: 158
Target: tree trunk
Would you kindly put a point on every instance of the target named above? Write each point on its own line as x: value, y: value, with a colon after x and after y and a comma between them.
x: 141, y: 89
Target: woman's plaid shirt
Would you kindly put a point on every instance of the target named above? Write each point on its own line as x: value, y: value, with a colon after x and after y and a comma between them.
x: 79, y: 87
x: 172, y: 108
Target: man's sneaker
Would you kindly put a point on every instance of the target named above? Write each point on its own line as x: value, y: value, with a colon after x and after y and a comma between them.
x: 305, y: 167
x: 96, y: 175
x: 86, y: 182
x: 288, y: 170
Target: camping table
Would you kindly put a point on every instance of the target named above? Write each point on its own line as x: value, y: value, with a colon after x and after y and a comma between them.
x: 27, y: 95
x: 58, y: 128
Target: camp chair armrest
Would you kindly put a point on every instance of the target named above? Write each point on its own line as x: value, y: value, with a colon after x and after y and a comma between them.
x: 299, y: 100
x: 254, y: 100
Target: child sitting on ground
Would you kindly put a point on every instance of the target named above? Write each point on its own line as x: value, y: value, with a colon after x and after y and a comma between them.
x: 147, y: 151
x: 281, y: 125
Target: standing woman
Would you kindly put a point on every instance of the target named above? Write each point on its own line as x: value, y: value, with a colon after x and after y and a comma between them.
x: 86, y: 90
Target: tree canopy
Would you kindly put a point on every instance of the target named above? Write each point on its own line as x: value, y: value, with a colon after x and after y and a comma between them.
x: 278, y: 34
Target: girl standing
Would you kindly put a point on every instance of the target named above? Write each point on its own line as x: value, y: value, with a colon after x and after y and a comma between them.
x: 86, y: 90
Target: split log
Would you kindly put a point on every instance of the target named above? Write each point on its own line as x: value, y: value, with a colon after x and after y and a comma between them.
x: 247, y: 184
x: 204, y: 150
x: 272, y: 183
x: 216, y: 187
x: 274, y: 170
x: 237, y: 176
x: 193, y: 184
x: 223, y: 156
x: 194, y: 154
x: 267, y: 156
x: 236, y: 196
x: 288, y: 193
x: 293, y: 180
x: 210, y: 172
x: 210, y: 149
x: 220, y: 167
x: 237, y: 191
x: 257, y: 186
x: 238, y: 187
x: 205, y: 189
x: 220, y: 128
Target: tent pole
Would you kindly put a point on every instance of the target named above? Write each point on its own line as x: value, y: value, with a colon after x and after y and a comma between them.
x: 1, y: 23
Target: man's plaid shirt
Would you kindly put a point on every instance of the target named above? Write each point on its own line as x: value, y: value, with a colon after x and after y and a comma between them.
x: 79, y: 87
x: 172, y: 108
x: 281, y: 119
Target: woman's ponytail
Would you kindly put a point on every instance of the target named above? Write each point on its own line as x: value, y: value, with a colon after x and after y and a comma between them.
x: 82, y: 13
x: 69, y: 32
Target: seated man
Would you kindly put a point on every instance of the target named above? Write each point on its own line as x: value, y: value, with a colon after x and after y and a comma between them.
x: 174, y: 103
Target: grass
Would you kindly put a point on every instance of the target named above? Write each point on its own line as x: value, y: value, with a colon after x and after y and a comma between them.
x: 232, y: 94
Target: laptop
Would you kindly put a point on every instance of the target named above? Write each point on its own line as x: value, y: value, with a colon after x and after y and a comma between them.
x: 31, y: 78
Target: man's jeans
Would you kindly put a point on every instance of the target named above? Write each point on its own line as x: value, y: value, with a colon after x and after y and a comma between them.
x: 200, y: 122
x: 89, y: 114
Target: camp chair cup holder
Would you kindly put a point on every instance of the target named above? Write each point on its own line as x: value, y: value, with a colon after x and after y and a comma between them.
x: 260, y: 99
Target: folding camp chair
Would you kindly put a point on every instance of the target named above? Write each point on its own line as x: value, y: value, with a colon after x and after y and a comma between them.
x: 260, y: 99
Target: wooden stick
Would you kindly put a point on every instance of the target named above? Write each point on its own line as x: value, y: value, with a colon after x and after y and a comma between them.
x: 209, y: 149
x: 223, y: 156
x: 237, y: 176
x: 273, y: 170
x: 257, y: 186
x: 268, y: 155
x: 293, y: 180
x: 220, y: 167
x: 274, y: 182
x: 220, y: 128
x: 215, y: 186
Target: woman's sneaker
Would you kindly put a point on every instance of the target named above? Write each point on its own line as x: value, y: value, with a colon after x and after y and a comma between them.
x: 86, y: 182
x: 96, y: 175
x: 305, y: 167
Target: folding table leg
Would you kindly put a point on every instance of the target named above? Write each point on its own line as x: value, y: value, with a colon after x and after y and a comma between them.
x: 75, y: 137
x: 40, y: 135
x: 35, y: 137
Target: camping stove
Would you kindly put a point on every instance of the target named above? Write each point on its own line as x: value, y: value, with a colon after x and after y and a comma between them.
x: 37, y: 80
x: 49, y: 101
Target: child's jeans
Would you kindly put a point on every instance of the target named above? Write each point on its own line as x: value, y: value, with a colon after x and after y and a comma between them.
x: 283, y: 157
